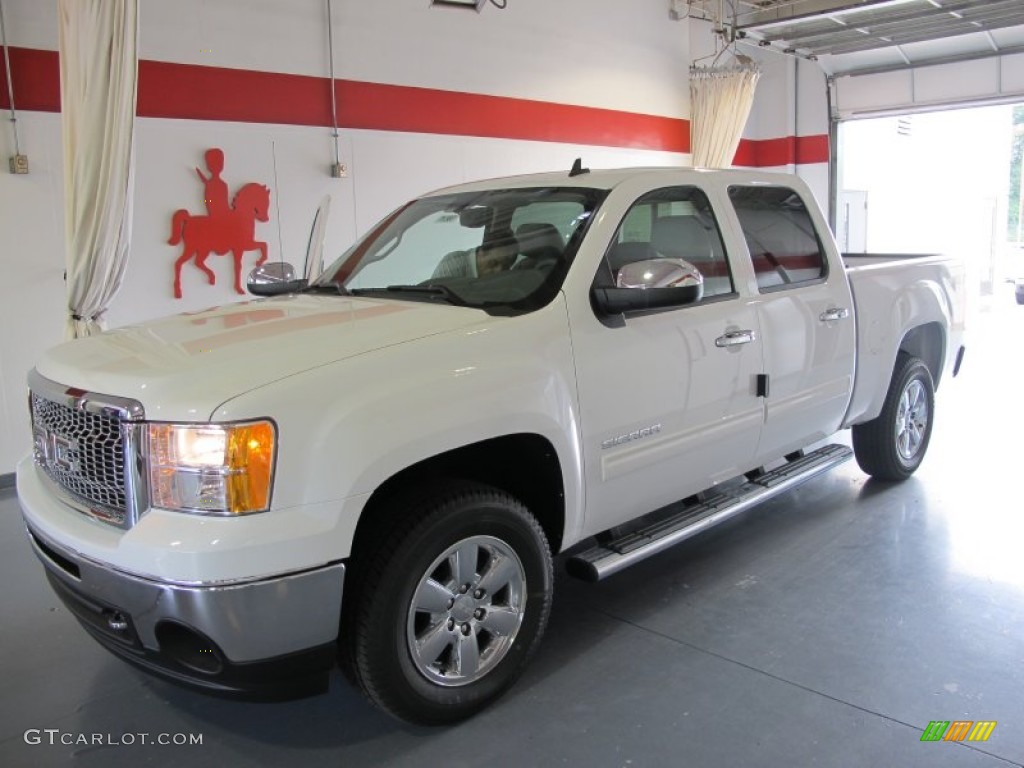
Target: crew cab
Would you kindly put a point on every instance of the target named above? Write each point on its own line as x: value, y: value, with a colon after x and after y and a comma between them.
x: 376, y: 467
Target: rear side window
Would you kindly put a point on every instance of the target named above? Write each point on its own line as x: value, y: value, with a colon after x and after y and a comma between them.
x: 783, y: 242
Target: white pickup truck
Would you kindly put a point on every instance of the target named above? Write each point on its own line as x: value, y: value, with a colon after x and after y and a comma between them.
x: 376, y: 468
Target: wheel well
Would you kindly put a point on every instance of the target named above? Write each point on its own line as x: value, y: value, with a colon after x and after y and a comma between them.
x: 928, y: 343
x: 523, y: 465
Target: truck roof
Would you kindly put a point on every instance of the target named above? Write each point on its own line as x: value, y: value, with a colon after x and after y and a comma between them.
x: 610, y: 178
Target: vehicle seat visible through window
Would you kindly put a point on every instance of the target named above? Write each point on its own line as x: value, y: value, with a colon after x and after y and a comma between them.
x: 688, y: 238
x: 540, y: 244
x: 621, y: 254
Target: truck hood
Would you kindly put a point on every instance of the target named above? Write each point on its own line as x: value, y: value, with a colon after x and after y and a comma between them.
x: 183, y: 367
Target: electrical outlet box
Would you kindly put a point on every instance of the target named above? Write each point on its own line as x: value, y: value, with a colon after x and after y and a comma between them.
x: 19, y: 164
x: 339, y: 170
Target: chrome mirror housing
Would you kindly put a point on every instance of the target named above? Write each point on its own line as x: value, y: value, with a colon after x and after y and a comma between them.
x: 272, y: 279
x: 660, y: 273
x: 650, y: 284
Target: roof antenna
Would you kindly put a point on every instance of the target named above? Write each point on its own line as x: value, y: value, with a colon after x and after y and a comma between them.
x: 578, y: 169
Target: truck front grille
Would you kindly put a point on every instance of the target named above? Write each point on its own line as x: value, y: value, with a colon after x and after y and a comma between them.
x: 81, y: 452
x: 84, y: 444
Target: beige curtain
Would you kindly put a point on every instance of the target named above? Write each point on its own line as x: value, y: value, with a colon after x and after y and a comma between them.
x: 98, y: 72
x: 720, y: 102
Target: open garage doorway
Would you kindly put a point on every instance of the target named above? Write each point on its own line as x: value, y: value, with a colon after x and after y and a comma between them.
x: 937, y: 182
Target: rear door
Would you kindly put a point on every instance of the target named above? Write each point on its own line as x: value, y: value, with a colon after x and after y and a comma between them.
x: 805, y: 312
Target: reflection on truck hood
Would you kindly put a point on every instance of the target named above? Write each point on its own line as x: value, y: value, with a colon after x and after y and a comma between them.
x: 183, y: 367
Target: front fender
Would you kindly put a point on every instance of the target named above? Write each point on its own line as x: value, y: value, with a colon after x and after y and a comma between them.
x: 347, y: 427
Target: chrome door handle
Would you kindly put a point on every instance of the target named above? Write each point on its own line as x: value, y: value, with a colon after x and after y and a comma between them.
x: 735, y: 338
x: 834, y: 313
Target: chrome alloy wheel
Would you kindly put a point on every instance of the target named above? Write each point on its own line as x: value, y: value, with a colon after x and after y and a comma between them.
x: 466, y: 610
x: 911, y: 420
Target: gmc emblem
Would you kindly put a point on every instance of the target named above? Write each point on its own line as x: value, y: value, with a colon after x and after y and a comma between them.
x: 54, y: 451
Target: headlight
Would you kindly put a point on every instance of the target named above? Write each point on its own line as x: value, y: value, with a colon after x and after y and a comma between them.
x: 214, y: 469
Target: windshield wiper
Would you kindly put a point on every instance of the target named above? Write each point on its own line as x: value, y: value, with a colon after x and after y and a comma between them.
x: 440, y: 291
x: 336, y: 289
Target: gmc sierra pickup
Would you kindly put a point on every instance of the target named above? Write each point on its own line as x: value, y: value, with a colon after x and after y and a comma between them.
x: 376, y: 468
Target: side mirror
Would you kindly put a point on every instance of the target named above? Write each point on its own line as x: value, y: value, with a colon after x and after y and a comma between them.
x: 651, y: 284
x: 273, y: 279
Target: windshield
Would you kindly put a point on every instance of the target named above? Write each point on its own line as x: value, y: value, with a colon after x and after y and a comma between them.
x: 503, y: 250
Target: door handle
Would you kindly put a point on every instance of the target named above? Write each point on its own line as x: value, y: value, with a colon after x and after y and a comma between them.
x: 834, y: 313
x: 735, y: 338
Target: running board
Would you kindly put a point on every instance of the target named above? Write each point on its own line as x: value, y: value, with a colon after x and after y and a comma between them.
x: 610, y: 557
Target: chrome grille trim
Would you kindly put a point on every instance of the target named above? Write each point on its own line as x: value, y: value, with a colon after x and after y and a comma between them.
x: 108, y: 482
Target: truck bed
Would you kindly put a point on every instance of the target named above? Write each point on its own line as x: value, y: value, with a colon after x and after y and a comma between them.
x: 857, y: 260
x: 888, y: 289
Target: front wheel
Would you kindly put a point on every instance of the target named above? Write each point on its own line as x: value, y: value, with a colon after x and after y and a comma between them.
x: 892, y: 445
x: 451, y: 606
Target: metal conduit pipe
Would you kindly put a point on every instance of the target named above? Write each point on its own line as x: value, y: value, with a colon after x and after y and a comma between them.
x: 10, y: 84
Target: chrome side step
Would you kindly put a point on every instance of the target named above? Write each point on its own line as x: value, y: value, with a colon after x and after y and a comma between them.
x: 612, y: 556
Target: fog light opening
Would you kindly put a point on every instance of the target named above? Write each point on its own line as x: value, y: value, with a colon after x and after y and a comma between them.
x: 189, y: 648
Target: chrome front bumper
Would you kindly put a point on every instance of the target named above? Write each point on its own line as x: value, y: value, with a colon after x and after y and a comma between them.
x: 271, y: 638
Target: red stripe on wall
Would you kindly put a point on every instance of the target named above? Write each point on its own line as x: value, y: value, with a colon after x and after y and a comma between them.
x: 189, y: 91
x: 426, y: 110
x: 812, y: 149
x: 215, y: 93
x: 35, y: 77
x: 746, y: 153
x: 211, y: 93
x: 790, y: 150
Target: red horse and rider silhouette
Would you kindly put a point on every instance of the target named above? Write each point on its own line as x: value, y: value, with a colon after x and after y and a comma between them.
x: 227, y: 227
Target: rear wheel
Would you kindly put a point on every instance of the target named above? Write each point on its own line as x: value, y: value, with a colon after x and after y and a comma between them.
x: 451, y: 606
x: 892, y: 446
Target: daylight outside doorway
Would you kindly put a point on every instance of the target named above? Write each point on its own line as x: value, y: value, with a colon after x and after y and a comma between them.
x: 937, y: 182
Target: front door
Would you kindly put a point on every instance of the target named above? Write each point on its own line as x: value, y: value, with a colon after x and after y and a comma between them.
x: 668, y: 398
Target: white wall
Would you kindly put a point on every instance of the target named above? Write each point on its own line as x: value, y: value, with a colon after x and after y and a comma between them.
x: 791, y: 101
x: 31, y: 237
x: 602, y: 53
x: 595, y: 53
x: 31, y: 269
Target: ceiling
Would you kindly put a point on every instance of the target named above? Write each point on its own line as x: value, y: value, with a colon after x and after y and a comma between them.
x: 849, y: 37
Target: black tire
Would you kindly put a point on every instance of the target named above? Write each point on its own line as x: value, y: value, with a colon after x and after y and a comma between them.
x: 1019, y: 295
x: 892, y: 446
x: 429, y: 684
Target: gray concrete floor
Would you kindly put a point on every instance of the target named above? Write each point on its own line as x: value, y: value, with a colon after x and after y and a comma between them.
x: 825, y: 628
